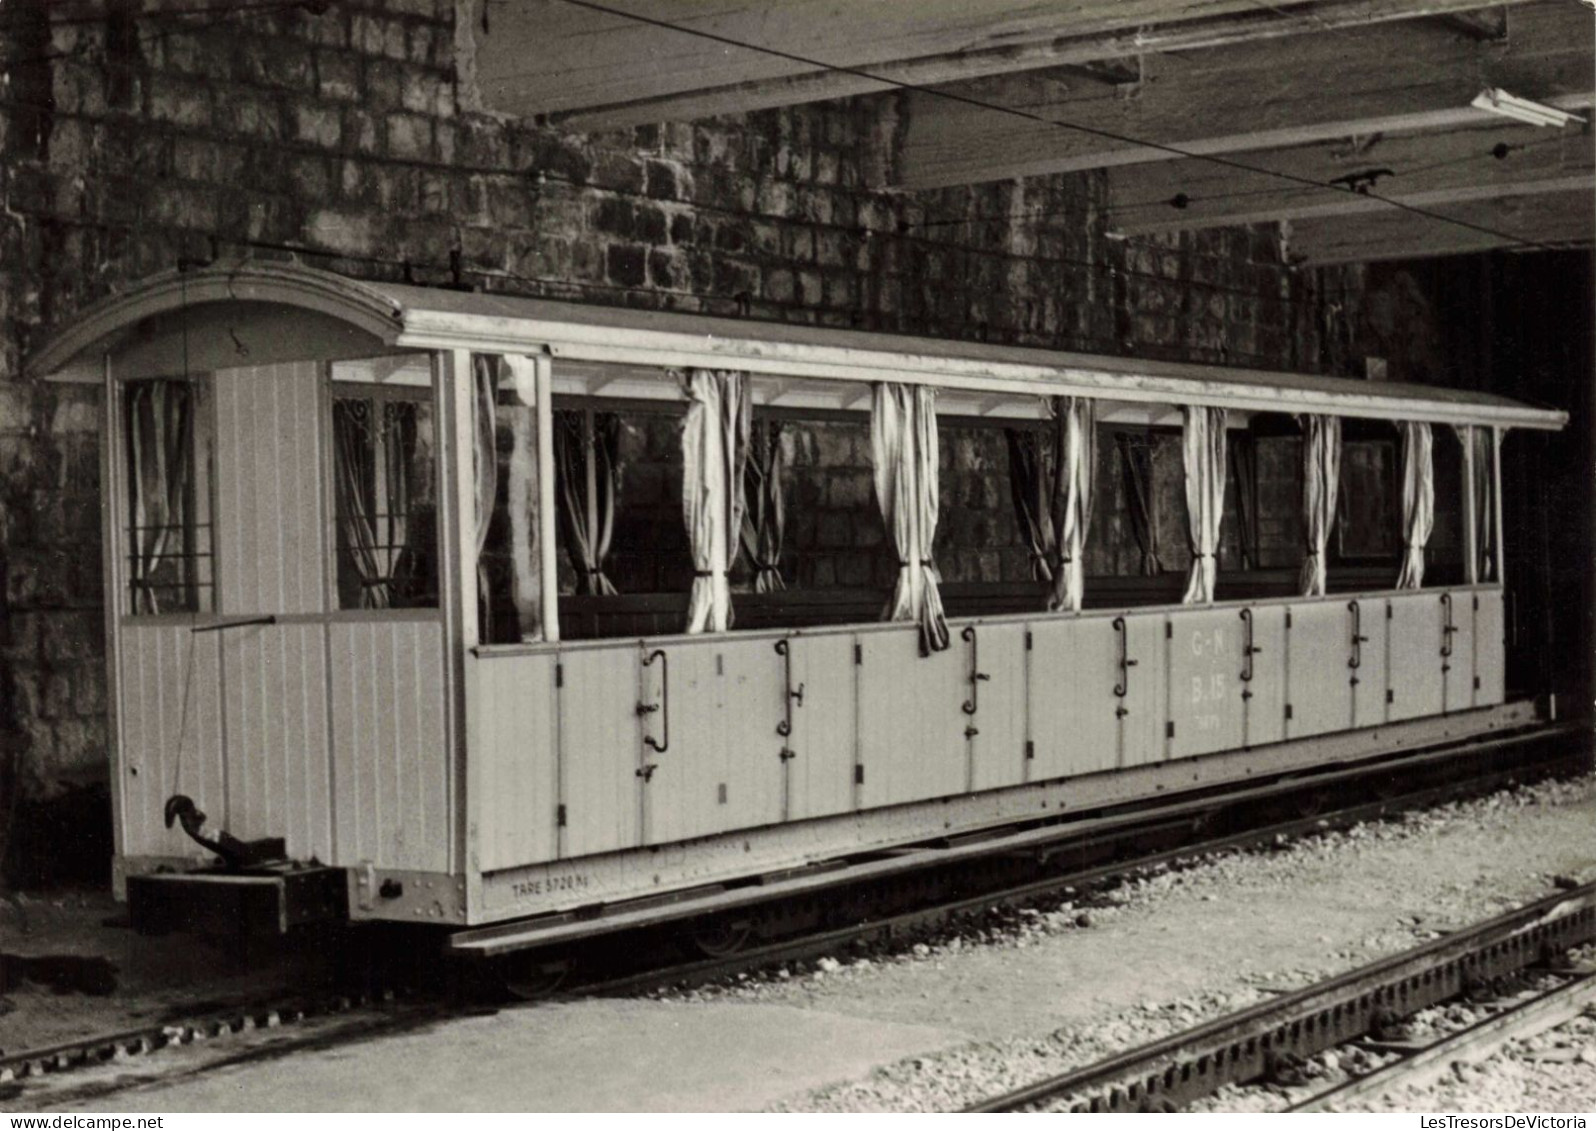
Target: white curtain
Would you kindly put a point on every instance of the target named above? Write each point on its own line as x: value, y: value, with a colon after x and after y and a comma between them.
x: 1418, y: 501
x: 1076, y: 419
x: 526, y: 589
x: 1203, y: 451
x: 160, y: 425
x: 765, y: 520
x: 1479, y: 445
x: 715, y: 438
x: 1321, y: 479
x: 903, y: 449
x: 485, y: 466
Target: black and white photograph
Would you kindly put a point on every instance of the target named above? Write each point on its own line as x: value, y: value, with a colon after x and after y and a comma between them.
x: 797, y: 556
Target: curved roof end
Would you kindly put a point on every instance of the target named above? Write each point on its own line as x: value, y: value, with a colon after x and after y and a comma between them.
x: 287, y: 284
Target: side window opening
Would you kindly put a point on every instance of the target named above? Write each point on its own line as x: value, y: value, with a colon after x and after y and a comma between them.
x: 169, y: 445
x: 385, y: 485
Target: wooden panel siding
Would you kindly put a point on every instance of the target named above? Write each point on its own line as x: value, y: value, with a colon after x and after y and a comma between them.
x: 161, y: 752
x: 515, y: 751
x: 275, y: 692
x: 391, y: 768
x: 269, y: 520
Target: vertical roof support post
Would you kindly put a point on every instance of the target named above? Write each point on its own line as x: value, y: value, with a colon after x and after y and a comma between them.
x: 458, y: 594
x: 1496, y: 496
x: 548, y: 571
x: 1471, y: 554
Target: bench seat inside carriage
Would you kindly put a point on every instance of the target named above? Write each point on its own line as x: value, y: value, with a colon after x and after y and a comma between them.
x: 407, y: 580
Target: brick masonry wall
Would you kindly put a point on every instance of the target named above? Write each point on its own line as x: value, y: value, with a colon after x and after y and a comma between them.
x: 134, y: 142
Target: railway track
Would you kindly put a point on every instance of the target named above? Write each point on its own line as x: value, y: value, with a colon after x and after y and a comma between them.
x: 1267, y: 1042
x: 1118, y: 841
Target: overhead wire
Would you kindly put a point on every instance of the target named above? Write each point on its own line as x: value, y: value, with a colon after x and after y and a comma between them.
x: 1057, y: 123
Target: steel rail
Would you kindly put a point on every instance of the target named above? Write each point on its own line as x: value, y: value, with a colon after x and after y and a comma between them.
x: 1476, y: 1043
x: 1243, y: 1046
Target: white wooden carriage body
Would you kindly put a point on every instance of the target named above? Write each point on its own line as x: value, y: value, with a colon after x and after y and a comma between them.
x: 488, y: 782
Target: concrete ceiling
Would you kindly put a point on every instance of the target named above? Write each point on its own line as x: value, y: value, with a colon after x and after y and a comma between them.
x: 1317, y: 89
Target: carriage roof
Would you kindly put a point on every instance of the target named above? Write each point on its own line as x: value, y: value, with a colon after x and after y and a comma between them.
x: 794, y: 360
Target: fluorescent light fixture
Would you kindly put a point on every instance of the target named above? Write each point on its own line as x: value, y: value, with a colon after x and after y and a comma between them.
x: 1498, y: 101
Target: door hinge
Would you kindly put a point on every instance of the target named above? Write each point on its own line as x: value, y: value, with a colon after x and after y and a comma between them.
x: 1390, y: 695
x: 1476, y: 683
x: 1476, y: 602
x: 1169, y: 729
x: 1288, y: 618
x: 858, y: 653
x: 559, y: 816
x: 1027, y: 640
x: 559, y: 675
x: 1030, y: 751
x: 1169, y: 631
x: 1288, y: 710
x: 1388, y: 612
x: 858, y: 774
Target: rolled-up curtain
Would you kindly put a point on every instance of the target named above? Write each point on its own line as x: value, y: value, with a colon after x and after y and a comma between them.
x: 526, y: 589
x: 1134, y: 461
x: 355, y: 484
x: 1031, y: 487
x: 1480, y: 443
x: 903, y: 449
x: 1203, y: 453
x: 1075, y: 419
x: 587, y: 518
x: 715, y: 437
x: 160, y: 426
x: 397, y: 444
x: 1418, y: 501
x: 485, y: 471
x: 1321, y: 479
x: 765, y: 520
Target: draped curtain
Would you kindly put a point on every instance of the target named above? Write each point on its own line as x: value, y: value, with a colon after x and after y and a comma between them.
x: 1203, y: 453
x: 1075, y: 421
x: 1418, y: 501
x: 586, y: 474
x: 1031, y: 486
x: 1134, y: 462
x: 715, y: 440
x: 354, y: 450
x: 485, y: 470
x: 1243, y: 449
x: 1480, y: 443
x: 160, y: 434
x: 903, y: 448
x: 1321, y: 479
x: 526, y: 591
x: 765, y: 520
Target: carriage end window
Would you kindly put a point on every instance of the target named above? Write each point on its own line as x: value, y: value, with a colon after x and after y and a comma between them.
x: 169, y: 442
x: 385, y: 497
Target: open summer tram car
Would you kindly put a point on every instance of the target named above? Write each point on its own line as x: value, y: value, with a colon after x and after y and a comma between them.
x: 359, y: 618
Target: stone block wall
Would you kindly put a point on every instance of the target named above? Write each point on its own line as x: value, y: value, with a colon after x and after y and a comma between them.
x: 149, y: 138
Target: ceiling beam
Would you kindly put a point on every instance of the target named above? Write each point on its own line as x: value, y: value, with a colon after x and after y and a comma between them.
x: 1422, y: 169
x: 1378, y: 79
x: 590, y: 71
x: 1558, y: 219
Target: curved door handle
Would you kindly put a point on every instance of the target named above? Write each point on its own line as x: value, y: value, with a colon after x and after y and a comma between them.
x: 977, y: 676
x: 784, y: 727
x: 1448, y: 628
x: 1122, y: 688
x: 1358, y: 639
x: 661, y: 744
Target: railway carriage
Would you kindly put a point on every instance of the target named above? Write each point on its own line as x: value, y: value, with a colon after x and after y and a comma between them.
x: 359, y: 614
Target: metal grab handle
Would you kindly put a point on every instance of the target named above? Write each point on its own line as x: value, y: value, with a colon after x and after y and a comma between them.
x: 1122, y: 688
x: 784, y: 727
x: 973, y: 703
x: 664, y: 704
x: 1447, y: 629
x: 1247, y: 650
x: 1358, y: 639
